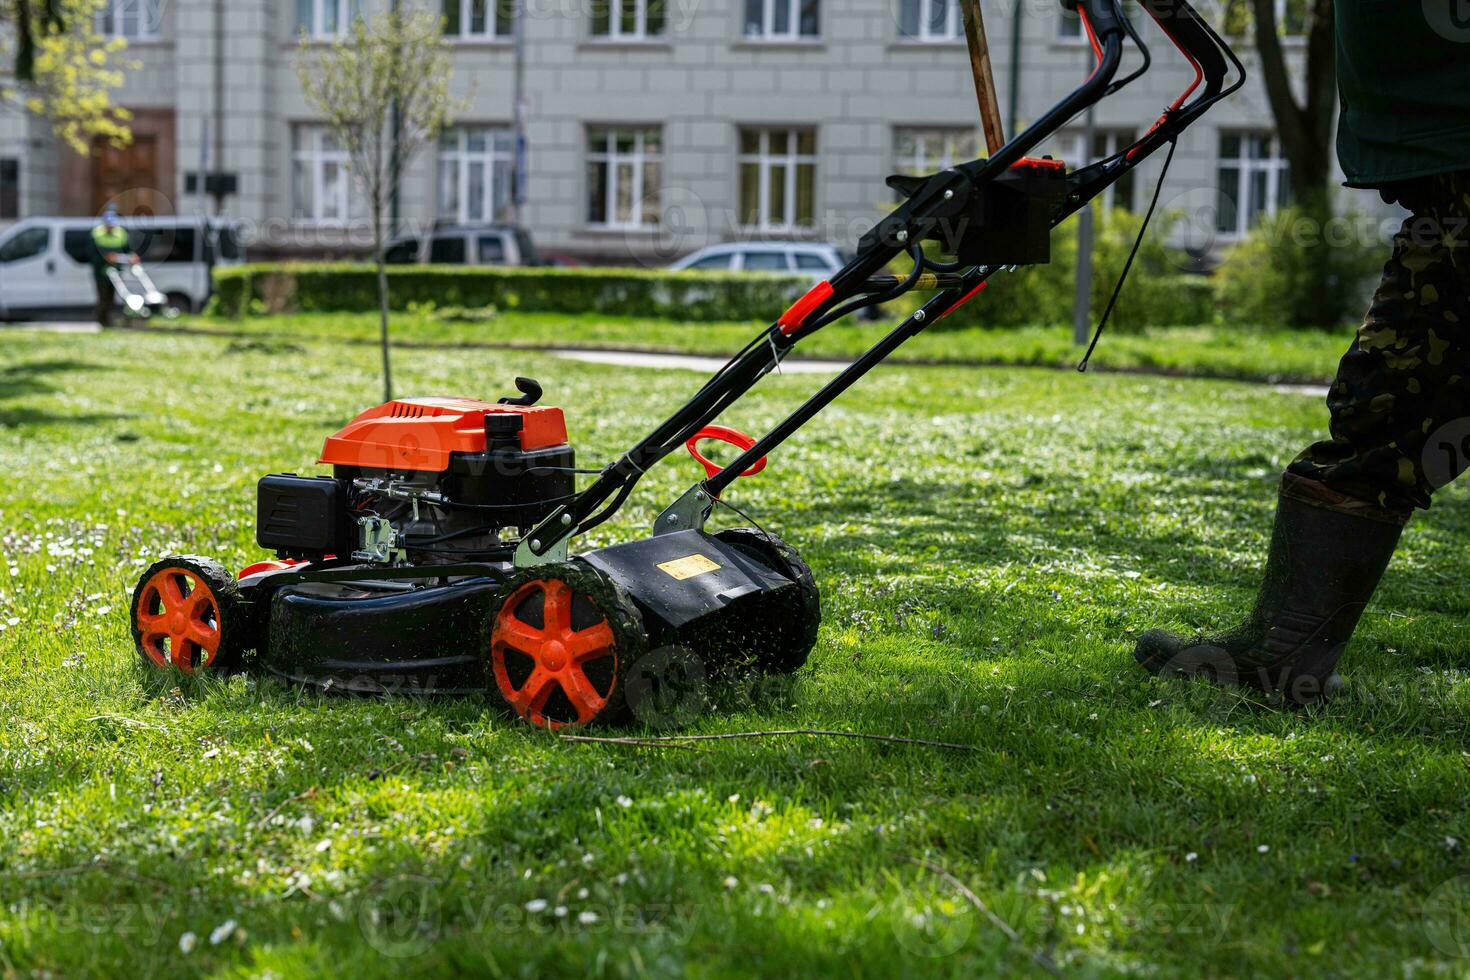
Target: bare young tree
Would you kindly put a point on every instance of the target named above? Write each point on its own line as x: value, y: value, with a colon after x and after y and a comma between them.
x: 1305, y: 126
x: 382, y: 90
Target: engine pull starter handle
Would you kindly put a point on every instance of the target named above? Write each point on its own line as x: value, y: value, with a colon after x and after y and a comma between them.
x: 723, y: 433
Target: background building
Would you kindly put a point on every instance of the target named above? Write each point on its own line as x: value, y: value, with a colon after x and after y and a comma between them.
x: 655, y: 126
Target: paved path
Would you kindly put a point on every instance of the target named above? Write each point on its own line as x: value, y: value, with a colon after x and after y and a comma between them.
x: 55, y: 326
x: 708, y: 365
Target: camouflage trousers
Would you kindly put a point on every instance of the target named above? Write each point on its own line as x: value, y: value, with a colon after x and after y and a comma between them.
x: 1401, y: 401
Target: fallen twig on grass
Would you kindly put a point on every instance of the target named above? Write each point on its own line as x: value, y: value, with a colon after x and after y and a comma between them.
x: 1040, y: 958
x: 651, y: 742
x: 675, y: 740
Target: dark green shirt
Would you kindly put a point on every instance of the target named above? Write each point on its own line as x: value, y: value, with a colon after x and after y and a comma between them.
x: 1403, y: 71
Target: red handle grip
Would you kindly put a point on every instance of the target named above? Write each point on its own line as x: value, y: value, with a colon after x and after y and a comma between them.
x: 723, y: 433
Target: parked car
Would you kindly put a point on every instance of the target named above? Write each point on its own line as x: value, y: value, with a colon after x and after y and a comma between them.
x: 465, y: 245
x: 45, y: 263
x: 815, y: 260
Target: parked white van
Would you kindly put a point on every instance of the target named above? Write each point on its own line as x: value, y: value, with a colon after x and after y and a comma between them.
x: 45, y: 263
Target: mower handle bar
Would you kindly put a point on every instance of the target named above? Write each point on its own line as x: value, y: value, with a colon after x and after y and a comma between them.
x: 1103, y: 21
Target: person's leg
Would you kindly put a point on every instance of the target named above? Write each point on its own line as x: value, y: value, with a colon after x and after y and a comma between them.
x: 1402, y: 389
x: 106, y: 297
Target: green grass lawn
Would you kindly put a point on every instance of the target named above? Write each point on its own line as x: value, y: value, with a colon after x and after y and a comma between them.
x: 1216, y: 352
x: 987, y: 541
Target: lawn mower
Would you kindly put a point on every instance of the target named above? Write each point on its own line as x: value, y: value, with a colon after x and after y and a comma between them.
x: 436, y: 556
x: 141, y: 299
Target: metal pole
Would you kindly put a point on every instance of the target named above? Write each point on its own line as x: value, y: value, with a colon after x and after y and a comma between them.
x: 1082, y: 295
x: 518, y: 93
x: 1014, y: 95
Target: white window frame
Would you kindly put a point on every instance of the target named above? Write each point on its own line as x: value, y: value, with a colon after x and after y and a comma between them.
x: 461, y: 158
x: 346, y: 11
x: 316, y: 158
x: 1276, y: 168
x: 954, y: 26
x: 112, y: 19
x: 920, y: 164
x: 1070, y: 29
x: 613, y: 159
x: 765, y: 160
x: 771, y: 31
x: 492, y: 30
x: 640, y: 30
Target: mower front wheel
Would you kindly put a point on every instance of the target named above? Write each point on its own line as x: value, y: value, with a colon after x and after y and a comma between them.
x: 188, y: 615
x: 561, y: 645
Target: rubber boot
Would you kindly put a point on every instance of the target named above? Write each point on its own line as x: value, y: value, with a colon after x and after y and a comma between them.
x: 1323, y: 568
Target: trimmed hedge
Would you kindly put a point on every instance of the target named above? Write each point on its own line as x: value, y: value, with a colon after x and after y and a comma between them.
x: 299, y: 287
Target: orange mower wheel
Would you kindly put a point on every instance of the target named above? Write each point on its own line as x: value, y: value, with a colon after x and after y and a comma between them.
x: 188, y: 615
x: 561, y: 645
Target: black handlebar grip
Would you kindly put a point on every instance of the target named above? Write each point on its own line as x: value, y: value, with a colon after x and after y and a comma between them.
x: 530, y: 390
x: 1184, y: 27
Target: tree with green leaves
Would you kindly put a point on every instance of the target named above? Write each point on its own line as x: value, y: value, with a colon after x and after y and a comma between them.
x: 64, y: 70
x: 382, y: 90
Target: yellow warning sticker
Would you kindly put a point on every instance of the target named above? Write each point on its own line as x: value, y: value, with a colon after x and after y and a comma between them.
x: 687, y: 567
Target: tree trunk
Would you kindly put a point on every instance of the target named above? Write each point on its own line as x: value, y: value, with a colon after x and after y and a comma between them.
x: 379, y: 258
x: 1305, y: 130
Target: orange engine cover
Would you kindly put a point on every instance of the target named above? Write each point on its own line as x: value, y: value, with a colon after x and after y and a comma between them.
x: 421, y: 433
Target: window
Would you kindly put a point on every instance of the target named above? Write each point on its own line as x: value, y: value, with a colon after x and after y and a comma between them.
x: 475, y: 165
x: 629, y: 20
x: 492, y: 250
x: 26, y: 245
x: 624, y: 174
x: 720, y: 260
x: 321, y: 177
x: 229, y: 243
x: 77, y: 244
x: 765, y: 262
x: 1253, y: 180
x: 778, y: 177
x: 9, y: 188
x: 930, y: 20
x: 1069, y: 23
x: 479, y: 19
x: 807, y: 262
x: 780, y: 20
x: 325, y: 18
x: 448, y: 249
x: 1069, y: 26
x: 1105, y: 143
x: 405, y: 252
x: 136, y: 20
x: 156, y: 246
x: 921, y: 152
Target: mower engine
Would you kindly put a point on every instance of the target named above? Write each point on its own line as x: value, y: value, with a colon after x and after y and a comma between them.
x: 423, y: 481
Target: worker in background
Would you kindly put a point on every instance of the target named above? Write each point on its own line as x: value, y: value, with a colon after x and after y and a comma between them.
x: 111, y: 247
x: 1400, y: 404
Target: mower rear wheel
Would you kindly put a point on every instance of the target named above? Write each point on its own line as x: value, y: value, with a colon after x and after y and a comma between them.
x: 784, y: 645
x: 188, y: 615
x: 561, y: 645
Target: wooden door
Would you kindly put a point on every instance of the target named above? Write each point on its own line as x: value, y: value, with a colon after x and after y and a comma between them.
x: 126, y: 176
